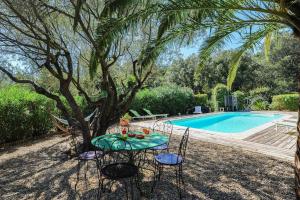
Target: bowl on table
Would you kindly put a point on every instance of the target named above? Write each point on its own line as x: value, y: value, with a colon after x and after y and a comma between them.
x: 140, y: 136
x: 131, y: 134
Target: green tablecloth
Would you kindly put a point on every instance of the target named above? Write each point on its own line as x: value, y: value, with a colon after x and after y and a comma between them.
x: 113, y: 142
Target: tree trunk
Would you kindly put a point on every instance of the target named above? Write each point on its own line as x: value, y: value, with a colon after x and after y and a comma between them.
x: 297, y: 155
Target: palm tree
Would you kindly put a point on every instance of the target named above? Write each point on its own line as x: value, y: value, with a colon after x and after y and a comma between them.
x: 252, y: 20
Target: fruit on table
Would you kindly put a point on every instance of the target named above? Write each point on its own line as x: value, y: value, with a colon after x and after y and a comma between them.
x: 146, y: 130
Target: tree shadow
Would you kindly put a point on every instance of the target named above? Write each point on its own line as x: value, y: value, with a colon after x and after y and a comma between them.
x: 210, y: 172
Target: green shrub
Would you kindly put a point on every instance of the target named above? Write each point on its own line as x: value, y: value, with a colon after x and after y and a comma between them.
x: 260, y: 91
x: 285, y: 102
x: 201, y: 99
x: 170, y: 99
x: 218, y: 94
x: 260, y: 105
x: 23, y: 114
x: 241, y: 96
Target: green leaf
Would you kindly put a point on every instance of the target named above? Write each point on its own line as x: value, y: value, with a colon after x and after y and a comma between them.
x: 250, y: 41
x: 93, y: 65
x: 267, y: 46
x: 234, y: 64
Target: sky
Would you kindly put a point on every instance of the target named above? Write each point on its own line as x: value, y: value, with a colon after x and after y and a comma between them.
x: 186, y: 51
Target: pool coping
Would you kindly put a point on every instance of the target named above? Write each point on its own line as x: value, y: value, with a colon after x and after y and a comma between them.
x: 276, y: 152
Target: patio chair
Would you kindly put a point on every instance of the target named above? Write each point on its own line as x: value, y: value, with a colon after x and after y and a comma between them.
x: 166, y: 128
x: 175, y: 160
x: 157, y: 115
x: 117, y: 166
x: 197, y: 110
x: 138, y: 116
x: 84, y: 158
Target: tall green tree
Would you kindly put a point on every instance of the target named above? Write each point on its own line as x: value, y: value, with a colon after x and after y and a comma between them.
x: 60, y: 39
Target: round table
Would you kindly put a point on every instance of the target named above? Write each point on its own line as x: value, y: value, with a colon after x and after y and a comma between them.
x: 114, y: 143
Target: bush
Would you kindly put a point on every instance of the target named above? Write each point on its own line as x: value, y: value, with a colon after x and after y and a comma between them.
x: 201, y: 99
x: 260, y: 105
x: 23, y: 114
x: 263, y: 92
x: 218, y: 94
x: 285, y: 102
x: 241, y: 96
x: 170, y: 99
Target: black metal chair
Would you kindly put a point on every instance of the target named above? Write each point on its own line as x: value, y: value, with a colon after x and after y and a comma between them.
x: 84, y: 158
x: 172, y: 160
x: 118, y: 166
x: 166, y: 128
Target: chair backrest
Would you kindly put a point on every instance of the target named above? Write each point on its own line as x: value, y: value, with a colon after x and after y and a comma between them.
x: 135, y: 113
x: 198, y: 109
x: 148, y: 111
x: 63, y: 121
x: 118, y: 149
x: 158, y: 125
x: 183, y: 143
x: 113, y: 129
x: 168, y: 129
x: 88, y: 118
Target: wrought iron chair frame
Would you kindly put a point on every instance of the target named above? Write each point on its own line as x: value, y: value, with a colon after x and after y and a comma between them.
x: 112, y: 157
x: 179, y: 171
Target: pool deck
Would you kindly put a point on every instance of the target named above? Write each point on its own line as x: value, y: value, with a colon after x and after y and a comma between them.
x: 280, y: 145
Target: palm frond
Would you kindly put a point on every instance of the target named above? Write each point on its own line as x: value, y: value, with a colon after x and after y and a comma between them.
x: 111, y: 28
x: 93, y: 64
x: 267, y: 46
x: 120, y: 6
x: 250, y: 42
x: 215, y: 41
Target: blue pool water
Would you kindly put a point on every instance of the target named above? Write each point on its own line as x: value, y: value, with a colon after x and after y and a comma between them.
x: 232, y: 122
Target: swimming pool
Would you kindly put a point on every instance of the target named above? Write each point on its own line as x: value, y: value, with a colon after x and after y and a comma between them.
x: 231, y: 122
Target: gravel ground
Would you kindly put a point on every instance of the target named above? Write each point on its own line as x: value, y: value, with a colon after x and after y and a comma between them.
x: 211, y: 172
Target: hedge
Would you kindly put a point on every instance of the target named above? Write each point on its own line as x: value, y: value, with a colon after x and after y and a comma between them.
x: 23, y: 114
x: 260, y: 105
x: 170, y: 99
x: 201, y: 99
x: 288, y: 102
x: 241, y: 96
x: 218, y: 93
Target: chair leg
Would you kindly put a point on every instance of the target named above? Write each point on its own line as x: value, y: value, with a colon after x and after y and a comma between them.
x: 131, y: 188
x: 85, y: 174
x: 78, y: 173
x: 99, y: 181
x: 178, y: 182
x: 126, y: 190
x: 158, y: 171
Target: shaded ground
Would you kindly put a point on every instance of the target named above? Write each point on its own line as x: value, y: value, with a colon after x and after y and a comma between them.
x: 211, y: 172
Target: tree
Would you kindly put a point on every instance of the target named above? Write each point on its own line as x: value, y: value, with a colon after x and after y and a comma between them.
x: 63, y: 39
x: 181, y: 72
x: 252, y: 20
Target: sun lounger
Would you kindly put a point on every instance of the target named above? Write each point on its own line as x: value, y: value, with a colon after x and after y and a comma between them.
x: 197, y: 110
x: 138, y: 116
x: 157, y: 115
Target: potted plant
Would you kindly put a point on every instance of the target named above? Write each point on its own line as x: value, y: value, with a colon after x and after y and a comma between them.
x: 125, y: 119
